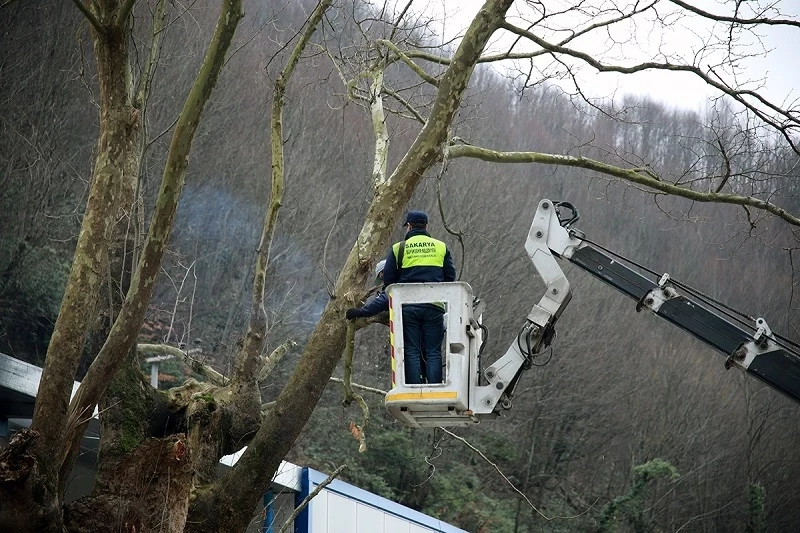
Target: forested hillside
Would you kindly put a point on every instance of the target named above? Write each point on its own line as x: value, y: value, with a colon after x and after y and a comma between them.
x: 630, y: 425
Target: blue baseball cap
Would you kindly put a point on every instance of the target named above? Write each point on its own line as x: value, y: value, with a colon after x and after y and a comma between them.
x: 416, y: 217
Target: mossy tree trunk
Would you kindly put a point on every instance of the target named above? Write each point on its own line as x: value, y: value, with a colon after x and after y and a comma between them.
x: 34, y: 466
x: 226, y: 506
x: 37, y: 500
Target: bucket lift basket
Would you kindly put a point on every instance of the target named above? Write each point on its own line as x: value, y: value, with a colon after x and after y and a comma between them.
x: 446, y: 403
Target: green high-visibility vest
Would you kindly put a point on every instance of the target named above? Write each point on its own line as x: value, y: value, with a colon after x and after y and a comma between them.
x: 421, y: 250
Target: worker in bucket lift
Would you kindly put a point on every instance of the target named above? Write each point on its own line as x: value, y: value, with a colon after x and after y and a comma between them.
x: 420, y: 258
x: 376, y: 305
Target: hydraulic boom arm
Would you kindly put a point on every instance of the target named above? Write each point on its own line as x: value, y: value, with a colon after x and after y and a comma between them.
x: 752, y: 348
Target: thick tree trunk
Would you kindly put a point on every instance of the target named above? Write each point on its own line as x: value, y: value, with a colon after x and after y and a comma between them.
x: 149, y: 491
x: 226, y: 506
x: 208, y: 421
x: 121, y: 253
x: 39, y: 502
x: 43, y: 456
x: 122, y: 337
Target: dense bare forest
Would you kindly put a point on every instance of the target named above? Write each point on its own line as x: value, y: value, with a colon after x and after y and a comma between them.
x: 630, y: 426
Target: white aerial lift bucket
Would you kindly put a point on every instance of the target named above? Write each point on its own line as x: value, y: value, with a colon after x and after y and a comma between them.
x: 446, y: 403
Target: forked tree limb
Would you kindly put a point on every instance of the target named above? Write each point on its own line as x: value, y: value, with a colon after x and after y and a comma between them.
x: 88, y: 14
x: 123, y: 332
x: 246, y: 366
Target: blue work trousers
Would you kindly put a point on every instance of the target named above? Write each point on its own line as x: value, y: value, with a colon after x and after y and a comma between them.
x: 423, y: 332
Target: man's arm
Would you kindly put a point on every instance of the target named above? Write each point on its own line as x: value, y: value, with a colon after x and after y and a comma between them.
x: 449, y: 267
x: 377, y: 305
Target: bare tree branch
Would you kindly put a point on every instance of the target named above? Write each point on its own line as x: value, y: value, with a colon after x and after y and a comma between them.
x: 361, y: 387
x: 359, y: 432
x: 205, y: 370
x: 247, y: 360
x: 146, y: 80
x: 641, y: 176
x: 378, y: 116
x: 402, y: 14
x: 406, y: 104
x: 736, y: 20
x: 727, y: 160
x: 443, y: 60
x: 419, y: 71
x: 790, y: 121
x: 299, y: 509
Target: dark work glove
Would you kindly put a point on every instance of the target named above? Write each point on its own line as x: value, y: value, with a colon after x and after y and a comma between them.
x: 353, y: 313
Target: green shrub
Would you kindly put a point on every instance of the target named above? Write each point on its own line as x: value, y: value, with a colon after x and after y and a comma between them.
x: 756, y: 507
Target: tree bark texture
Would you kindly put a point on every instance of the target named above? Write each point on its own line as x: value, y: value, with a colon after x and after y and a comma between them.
x: 122, y: 337
x: 38, y: 503
x: 50, y: 446
x: 149, y: 491
x: 226, y: 506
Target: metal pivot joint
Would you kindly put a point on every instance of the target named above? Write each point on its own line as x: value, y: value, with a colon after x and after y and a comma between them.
x: 549, y: 237
x: 655, y: 298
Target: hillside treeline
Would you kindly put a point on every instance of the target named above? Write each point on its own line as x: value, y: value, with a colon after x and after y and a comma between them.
x: 621, y: 395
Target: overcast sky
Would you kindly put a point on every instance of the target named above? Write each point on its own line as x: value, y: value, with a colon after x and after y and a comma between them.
x: 685, y: 37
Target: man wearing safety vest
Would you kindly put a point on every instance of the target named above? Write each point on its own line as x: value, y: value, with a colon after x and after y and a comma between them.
x: 420, y: 258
